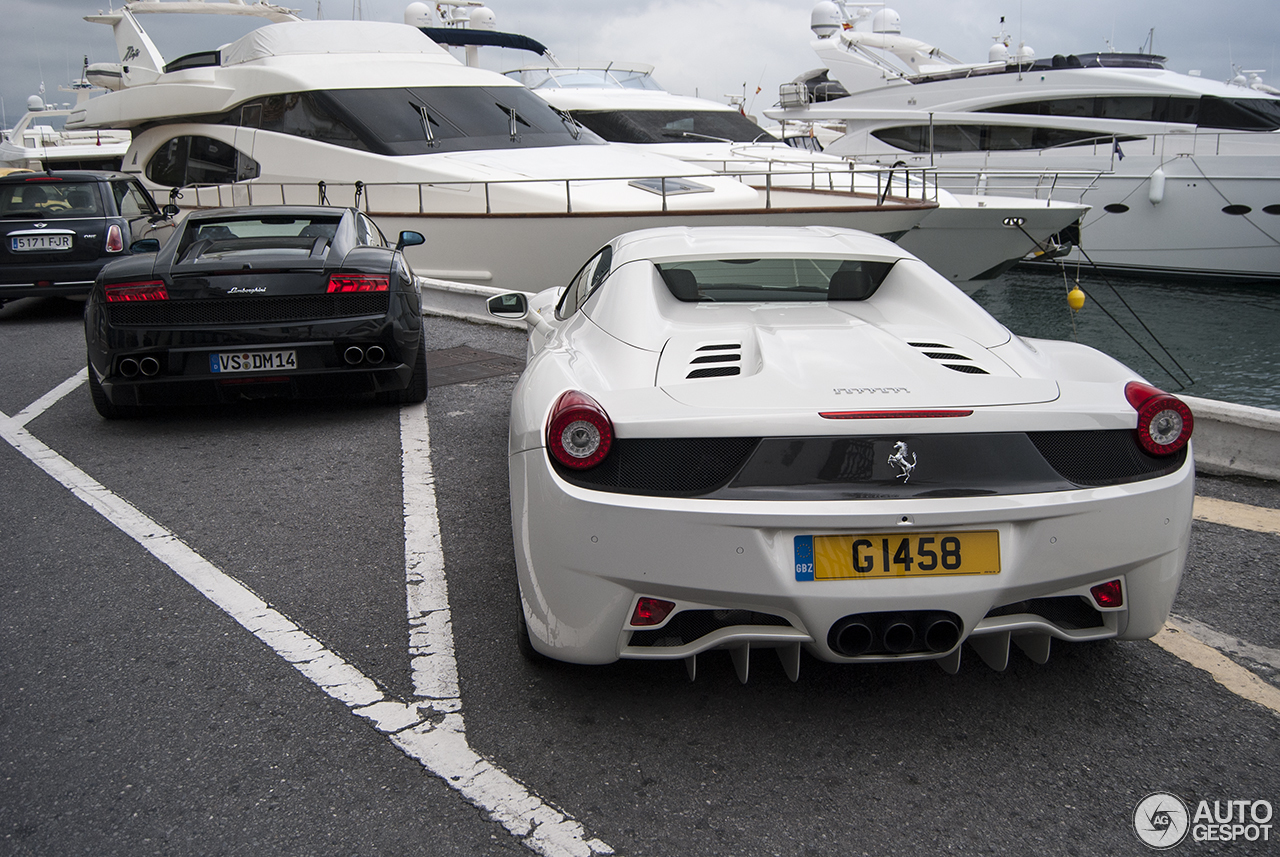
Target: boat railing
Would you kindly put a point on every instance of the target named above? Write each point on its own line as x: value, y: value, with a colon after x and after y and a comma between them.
x: 559, y: 196
x: 1047, y: 185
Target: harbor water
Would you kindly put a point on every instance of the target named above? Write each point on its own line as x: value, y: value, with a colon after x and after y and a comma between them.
x: 1226, y: 336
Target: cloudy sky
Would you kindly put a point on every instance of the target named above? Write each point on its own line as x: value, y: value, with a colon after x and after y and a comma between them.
x: 713, y: 48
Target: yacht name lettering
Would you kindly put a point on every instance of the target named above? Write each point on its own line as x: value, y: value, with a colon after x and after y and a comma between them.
x: 132, y: 53
x: 256, y: 290
x: 855, y: 391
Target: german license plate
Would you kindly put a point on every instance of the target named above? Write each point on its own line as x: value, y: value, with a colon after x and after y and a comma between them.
x: 876, y: 556
x: 36, y: 243
x: 253, y: 361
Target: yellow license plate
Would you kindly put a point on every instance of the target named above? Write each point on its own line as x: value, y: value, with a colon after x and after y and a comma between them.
x: 888, y: 555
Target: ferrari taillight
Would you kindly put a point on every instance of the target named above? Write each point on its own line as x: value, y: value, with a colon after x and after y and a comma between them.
x: 1164, y: 421
x: 579, y: 432
x: 358, y: 283
x: 152, y: 290
x: 115, y: 239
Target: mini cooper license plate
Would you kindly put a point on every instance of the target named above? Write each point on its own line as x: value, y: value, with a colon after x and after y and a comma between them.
x: 890, y: 555
x: 36, y: 243
x: 253, y: 361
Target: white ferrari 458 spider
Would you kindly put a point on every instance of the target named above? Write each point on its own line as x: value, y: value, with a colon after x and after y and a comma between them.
x: 805, y: 438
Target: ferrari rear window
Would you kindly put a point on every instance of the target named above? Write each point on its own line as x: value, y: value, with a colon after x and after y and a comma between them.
x: 773, y: 280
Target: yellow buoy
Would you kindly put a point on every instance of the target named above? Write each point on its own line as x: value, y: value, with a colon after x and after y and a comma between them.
x: 1075, y: 298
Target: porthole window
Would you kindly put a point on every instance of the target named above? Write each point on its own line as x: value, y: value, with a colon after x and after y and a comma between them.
x: 1236, y: 209
x: 185, y: 161
x: 1272, y: 209
x: 1115, y: 208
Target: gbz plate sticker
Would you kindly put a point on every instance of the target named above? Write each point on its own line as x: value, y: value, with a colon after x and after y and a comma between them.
x: 804, y: 557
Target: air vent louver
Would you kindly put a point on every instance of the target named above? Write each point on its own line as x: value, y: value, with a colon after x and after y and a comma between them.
x: 719, y: 354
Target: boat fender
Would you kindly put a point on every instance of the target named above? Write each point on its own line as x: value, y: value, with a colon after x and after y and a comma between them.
x: 1155, y: 192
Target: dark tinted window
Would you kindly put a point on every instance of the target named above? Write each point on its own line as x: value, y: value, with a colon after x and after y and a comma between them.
x: 1240, y: 114
x: 985, y: 138
x: 193, y: 160
x: 667, y: 126
x: 421, y: 120
x: 300, y: 114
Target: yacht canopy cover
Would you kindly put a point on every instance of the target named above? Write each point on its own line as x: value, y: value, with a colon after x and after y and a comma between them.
x: 331, y: 37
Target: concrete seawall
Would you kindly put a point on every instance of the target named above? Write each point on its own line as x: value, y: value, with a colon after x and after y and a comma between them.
x: 1230, y: 440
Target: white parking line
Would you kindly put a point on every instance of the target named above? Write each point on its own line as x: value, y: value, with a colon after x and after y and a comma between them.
x: 437, y: 742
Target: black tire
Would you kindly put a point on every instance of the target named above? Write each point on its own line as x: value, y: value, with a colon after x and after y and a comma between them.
x: 103, y: 404
x: 416, y: 391
x: 523, y: 643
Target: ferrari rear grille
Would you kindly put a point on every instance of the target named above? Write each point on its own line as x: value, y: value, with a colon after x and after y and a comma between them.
x: 265, y: 310
x: 1102, y: 457
x: 689, y: 625
x: 1070, y: 612
x: 671, y: 466
x: 949, y: 357
x: 710, y: 361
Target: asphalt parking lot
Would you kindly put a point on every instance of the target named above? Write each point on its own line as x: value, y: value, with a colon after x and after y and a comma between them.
x: 142, y: 715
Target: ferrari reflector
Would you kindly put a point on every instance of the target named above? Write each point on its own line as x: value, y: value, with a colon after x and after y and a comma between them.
x: 651, y: 611
x: 890, y: 555
x: 1109, y: 594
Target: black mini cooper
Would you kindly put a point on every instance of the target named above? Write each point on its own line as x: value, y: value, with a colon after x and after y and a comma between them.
x: 57, y: 229
x: 261, y: 301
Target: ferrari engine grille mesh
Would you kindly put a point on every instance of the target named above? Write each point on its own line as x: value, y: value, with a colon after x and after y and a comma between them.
x: 717, y: 356
x: 948, y: 356
x: 672, y: 466
x: 265, y: 310
x: 1070, y: 612
x: 689, y: 625
x: 1102, y: 457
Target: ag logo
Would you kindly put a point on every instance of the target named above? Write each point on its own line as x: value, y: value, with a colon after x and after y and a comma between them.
x: 1161, y: 820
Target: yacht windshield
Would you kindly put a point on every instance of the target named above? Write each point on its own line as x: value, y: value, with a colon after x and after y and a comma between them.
x: 773, y: 280
x: 423, y: 120
x: 590, y: 78
x: 673, y: 126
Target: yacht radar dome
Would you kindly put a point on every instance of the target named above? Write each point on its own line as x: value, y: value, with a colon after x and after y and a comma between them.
x: 482, y: 18
x: 887, y: 21
x: 35, y: 104
x: 418, y: 15
x: 826, y: 20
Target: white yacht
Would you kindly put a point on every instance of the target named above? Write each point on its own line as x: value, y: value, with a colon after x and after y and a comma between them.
x: 968, y: 238
x: 40, y: 140
x: 1182, y: 173
x: 509, y: 192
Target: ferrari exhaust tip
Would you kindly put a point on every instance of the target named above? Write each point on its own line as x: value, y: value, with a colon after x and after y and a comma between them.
x: 375, y: 354
x: 850, y: 637
x: 899, y: 636
x: 128, y: 367
x: 149, y: 366
x: 353, y: 355
x: 941, y: 634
